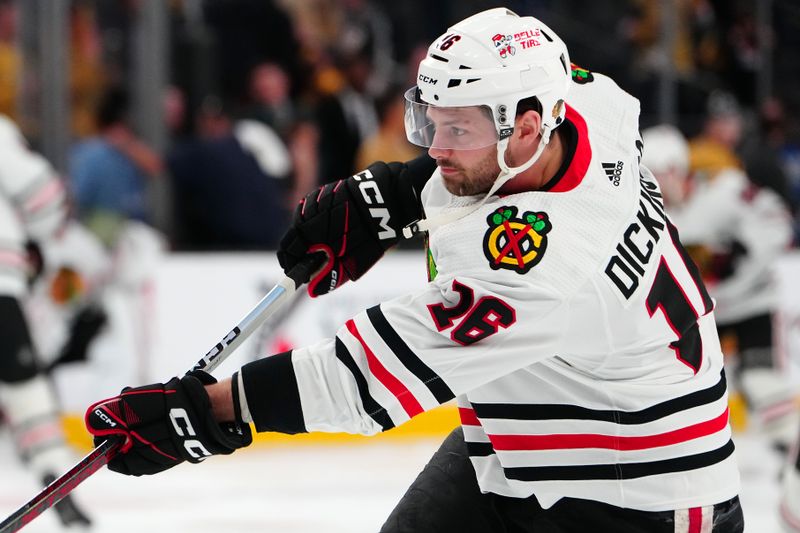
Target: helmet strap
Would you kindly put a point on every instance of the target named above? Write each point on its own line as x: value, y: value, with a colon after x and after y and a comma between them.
x: 506, y: 174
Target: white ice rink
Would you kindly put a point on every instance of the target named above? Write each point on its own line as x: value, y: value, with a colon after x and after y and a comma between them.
x: 302, y: 489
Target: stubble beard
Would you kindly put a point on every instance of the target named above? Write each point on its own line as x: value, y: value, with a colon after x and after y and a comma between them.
x: 477, y: 180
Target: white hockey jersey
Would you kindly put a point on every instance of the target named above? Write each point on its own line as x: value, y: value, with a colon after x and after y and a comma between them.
x: 748, y: 227
x: 569, y: 323
x: 32, y: 205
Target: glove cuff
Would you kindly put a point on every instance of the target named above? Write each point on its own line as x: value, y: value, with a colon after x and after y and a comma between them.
x: 219, y: 438
x: 241, y: 410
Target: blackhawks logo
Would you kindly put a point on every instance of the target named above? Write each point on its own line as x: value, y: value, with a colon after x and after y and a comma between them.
x: 581, y: 75
x: 515, y: 243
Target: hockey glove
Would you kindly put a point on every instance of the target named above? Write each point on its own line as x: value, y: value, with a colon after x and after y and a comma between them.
x: 85, y: 326
x: 353, y: 222
x: 164, y: 425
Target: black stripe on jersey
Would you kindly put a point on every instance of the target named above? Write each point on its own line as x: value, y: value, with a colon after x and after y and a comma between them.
x: 708, y: 304
x: 405, y: 355
x: 560, y: 411
x: 373, y: 408
x: 480, y: 449
x: 620, y: 470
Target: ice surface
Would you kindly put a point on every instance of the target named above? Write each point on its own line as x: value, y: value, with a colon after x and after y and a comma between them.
x: 300, y: 489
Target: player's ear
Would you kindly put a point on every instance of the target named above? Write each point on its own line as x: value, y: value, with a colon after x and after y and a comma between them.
x: 528, y: 126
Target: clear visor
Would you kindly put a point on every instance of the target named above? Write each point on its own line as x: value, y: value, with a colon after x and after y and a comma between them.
x: 448, y: 128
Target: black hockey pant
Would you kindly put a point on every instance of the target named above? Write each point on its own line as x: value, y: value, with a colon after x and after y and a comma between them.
x: 17, y: 360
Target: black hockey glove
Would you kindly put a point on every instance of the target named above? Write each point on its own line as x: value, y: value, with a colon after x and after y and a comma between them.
x: 84, y: 328
x: 164, y: 425
x: 353, y: 222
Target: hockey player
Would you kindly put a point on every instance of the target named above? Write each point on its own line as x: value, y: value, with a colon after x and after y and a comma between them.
x: 32, y: 208
x: 65, y: 310
x: 562, y: 313
x: 735, y: 231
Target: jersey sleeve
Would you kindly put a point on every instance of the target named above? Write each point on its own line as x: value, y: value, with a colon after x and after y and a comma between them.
x: 411, y: 354
x: 32, y: 185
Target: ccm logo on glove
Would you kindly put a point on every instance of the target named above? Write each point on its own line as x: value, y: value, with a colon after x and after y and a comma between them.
x: 180, y: 421
x: 352, y: 222
x: 372, y: 196
x: 105, y: 418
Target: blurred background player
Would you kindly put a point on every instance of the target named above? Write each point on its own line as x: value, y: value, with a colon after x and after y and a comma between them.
x: 735, y: 231
x: 32, y: 209
x: 790, y: 497
x: 65, y: 308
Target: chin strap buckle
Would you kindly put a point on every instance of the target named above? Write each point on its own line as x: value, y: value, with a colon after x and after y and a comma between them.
x: 411, y: 229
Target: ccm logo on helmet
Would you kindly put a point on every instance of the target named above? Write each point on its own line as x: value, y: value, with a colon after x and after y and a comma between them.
x: 427, y: 79
x: 180, y: 421
x: 372, y: 196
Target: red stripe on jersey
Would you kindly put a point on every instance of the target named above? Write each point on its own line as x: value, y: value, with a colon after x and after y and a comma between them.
x: 612, y: 442
x: 14, y: 259
x: 468, y: 417
x: 583, y: 155
x: 788, y: 516
x: 52, y: 191
x: 777, y: 410
x: 394, y: 385
x: 695, y: 519
x: 44, y: 433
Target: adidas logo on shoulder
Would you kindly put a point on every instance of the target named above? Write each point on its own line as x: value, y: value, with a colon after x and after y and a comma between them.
x: 613, y: 171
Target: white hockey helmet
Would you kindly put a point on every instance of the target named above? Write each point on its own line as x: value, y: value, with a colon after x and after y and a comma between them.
x: 490, y: 61
x: 665, y: 150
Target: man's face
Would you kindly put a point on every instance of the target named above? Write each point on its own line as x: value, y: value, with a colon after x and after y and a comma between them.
x: 465, y: 171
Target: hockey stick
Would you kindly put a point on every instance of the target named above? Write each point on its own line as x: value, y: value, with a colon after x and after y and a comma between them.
x: 107, y: 450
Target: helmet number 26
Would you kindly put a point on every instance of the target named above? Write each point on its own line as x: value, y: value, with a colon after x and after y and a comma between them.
x: 449, y: 41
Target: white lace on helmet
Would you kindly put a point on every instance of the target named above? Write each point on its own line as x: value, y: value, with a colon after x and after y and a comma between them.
x: 482, y: 67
